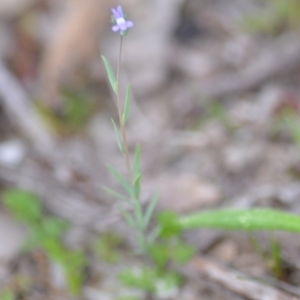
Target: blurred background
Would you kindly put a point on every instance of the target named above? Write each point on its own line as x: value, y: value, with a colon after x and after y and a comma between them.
x: 215, y: 108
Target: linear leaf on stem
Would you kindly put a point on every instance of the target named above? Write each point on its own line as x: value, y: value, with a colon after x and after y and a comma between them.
x: 119, y: 141
x: 150, y: 210
x: 121, y: 180
x: 127, y: 105
x: 137, y: 186
x: 110, y: 74
x: 128, y: 218
x: 136, y: 161
x: 116, y: 194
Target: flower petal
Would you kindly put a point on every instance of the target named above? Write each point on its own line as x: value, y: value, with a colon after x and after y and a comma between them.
x: 120, y: 11
x: 115, y: 28
x: 129, y: 24
x: 115, y: 13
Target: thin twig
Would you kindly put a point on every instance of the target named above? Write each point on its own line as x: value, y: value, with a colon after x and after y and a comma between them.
x: 238, y: 282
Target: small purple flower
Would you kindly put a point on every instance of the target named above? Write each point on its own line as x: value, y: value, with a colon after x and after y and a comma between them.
x: 121, y: 24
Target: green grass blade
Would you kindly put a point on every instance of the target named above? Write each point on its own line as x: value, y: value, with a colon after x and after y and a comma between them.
x: 252, y: 219
x: 116, y: 194
x: 121, y: 180
x: 127, y: 105
x: 136, y: 161
x: 150, y: 210
x: 119, y: 141
x: 110, y: 74
x: 137, y: 186
x: 276, y: 267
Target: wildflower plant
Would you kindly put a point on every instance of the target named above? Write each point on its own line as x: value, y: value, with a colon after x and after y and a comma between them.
x: 139, y: 219
x: 151, y: 242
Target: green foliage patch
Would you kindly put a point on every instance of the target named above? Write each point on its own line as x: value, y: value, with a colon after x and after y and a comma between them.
x: 46, y: 233
x: 7, y: 295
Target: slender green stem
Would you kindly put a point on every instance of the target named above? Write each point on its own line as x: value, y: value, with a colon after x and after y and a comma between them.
x: 137, y: 206
x: 120, y: 109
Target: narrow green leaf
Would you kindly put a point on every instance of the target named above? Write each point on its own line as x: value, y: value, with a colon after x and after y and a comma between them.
x: 276, y: 258
x: 127, y: 105
x: 127, y: 217
x: 136, y: 161
x: 119, y: 141
x: 110, y: 74
x: 149, y: 210
x: 121, y: 180
x: 252, y: 219
x: 137, y: 186
x: 116, y: 194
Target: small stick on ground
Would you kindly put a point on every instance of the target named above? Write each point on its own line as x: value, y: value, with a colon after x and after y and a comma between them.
x: 238, y: 282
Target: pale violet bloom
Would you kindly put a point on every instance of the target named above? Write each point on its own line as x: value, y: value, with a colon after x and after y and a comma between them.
x: 121, y: 24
